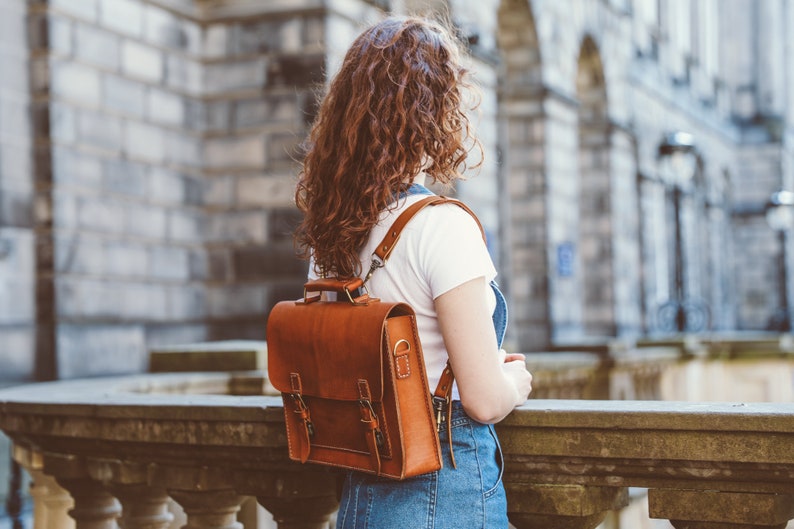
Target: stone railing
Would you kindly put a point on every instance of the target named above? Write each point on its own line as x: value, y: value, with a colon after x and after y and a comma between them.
x: 125, y: 448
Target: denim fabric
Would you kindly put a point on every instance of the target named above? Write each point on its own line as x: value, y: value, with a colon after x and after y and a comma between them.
x: 470, y: 496
x: 499, y: 315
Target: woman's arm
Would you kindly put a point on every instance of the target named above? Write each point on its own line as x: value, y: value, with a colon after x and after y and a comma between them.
x: 489, y: 387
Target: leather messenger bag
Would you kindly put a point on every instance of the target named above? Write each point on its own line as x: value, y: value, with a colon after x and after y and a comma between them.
x: 352, y: 376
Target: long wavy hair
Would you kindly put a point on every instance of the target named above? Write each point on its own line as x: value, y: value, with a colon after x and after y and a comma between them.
x: 396, y: 107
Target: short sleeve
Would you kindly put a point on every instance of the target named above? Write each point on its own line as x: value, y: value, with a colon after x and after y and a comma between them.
x: 452, y: 250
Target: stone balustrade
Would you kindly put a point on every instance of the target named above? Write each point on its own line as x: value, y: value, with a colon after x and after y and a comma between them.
x: 125, y: 448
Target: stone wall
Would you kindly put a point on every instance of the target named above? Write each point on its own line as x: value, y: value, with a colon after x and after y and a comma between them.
x: 17, y: 190
x: 166, y: 171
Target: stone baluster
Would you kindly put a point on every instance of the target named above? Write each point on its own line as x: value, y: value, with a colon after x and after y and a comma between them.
x: 699, y: 509
x: 532, y: 506
x: 94, y: 506
x: 212, y: 509
x: 143, y: 507
x: 302, y: 499
x: 51, y: 502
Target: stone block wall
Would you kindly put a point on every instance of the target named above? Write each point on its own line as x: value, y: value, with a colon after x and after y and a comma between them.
x: 17, y: 189
x: 168, y: 142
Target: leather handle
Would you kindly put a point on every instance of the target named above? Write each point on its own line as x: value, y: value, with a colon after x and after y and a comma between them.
x: 333, y: 284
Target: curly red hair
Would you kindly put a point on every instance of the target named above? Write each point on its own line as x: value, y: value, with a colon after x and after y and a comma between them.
x: 394, y: 109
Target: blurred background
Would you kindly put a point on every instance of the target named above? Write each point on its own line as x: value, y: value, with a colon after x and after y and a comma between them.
x: 639, y: 159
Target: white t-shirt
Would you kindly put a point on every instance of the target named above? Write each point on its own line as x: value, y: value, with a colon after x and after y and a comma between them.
x: 439, y: 249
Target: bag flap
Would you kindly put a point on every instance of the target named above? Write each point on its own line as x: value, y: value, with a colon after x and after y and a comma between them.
x: 331, y: 345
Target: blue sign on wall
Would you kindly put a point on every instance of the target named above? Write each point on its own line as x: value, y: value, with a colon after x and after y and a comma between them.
x: 565, y: 254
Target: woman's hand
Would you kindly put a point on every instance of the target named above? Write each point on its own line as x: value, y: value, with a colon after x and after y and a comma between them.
x: 515, y: 369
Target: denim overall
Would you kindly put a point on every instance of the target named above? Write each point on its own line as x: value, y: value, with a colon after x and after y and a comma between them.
x: 470, y: 496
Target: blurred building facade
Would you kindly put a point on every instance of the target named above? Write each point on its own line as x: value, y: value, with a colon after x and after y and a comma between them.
x: 148, y: 158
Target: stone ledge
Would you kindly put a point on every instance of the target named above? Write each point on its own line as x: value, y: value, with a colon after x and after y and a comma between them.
x: 228, y: 355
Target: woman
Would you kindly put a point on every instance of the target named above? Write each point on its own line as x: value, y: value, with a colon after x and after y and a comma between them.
x: 393, y: 118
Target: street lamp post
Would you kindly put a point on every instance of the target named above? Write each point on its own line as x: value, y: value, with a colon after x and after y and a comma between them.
x: 679, y: 162
x: 780, y: 216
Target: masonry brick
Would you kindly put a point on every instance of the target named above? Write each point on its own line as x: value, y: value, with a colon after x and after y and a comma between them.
x: 18, y: 355
x: 144, y: 302
x: 235, y: 152
x: 62, y: 121
x: 75, y: 81
x: 123, y: 16
x: 79, y: 254
x: 266, y: 191
x: 97, y: 47
x: 273, y: 109
x: 198, y: 264
x: 146, y: 142
x: 162, y: 28
x: 16, y: 209
x: 187, y: 302
x: 184, y: 74
x: 74, y: 168
x: 84, y: 9
x: 142, y: 62
x: 240, y: 227
x: 206, y: 116
x: 219, y: 191
x: 126, y: 177
x: 91, y: 350
x: 165, y: 107
x: 125, y: 259
x: 183, y: 150
x: 234, y: 76
x: 123, y: 95
x: 186, y: 226
x: 99, y: 130
x: 236, y: 300
x: 145, y: 221
x: 282, y: 223
x: 265, y: 262
x: 158, y: 334
x: 60, y: 35
x: 300, y: 70
x: 169, y: 262
x: 215, y: 41
x: 100, y: 214
x: 166, y: 186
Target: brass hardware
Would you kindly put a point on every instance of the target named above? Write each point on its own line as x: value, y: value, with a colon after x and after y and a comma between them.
x: 394, y: 352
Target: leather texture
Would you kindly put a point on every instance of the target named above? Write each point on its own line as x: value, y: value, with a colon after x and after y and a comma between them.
x: 359, y: 373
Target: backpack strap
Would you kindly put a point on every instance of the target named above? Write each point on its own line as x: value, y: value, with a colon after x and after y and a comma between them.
x: 442, y: 402
x: 384, y: 249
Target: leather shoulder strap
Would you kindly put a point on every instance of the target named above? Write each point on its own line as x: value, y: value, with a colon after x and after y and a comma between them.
x: 384, y: 249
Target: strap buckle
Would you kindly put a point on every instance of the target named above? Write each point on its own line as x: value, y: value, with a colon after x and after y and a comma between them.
x: 440, y: 405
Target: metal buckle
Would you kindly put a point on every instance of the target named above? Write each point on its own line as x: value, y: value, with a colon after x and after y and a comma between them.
x: 374, y: 265
x: 302, y: 410
x: 440, y: 406
x: 365, y: 403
